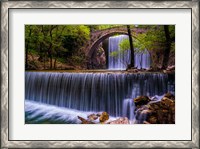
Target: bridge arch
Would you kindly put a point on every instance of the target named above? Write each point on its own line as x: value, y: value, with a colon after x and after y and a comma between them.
x: 95, y: 44
x: 97, y: 37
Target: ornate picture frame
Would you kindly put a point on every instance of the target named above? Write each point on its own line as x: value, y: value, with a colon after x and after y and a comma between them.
x: 7, y: 143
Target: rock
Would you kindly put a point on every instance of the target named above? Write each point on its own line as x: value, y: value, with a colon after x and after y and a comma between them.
x: 161, y: 112
x: 141, y: 100
x: 170, y: 96
x: 154, y: 106
x: 150, y: 69
x: 92, y: 117
x: 165, y: 111
x: 165, y: 71
x: 104, y: 117
x: 173, y: 118
x: 134, y: 70
x: 171, y: 67
x: 169, y: 119
x: 122, y: 120
x: 166, y: 102
x: 98, y: 114
x: 84, y: 121
x: 152, y: 120
x: 146, y: 111
x: 142, y: 113
x: 145, y: 122
x: 169, y: 71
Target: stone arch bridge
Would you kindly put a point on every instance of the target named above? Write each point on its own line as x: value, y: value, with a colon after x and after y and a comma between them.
x: 97, y: 37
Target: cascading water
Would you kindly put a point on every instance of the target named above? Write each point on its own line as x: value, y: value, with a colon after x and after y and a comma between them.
x: 93, y: 91
x: 142, y: 59
x: 128, y: 108
x: 119, y: 60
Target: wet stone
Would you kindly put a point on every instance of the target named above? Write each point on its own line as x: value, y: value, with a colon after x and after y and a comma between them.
x: 104, y: 117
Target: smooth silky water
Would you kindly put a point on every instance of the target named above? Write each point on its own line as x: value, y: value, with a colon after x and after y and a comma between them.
x: 59, y: 97
x: 120, y: 60
x: 94, y: 92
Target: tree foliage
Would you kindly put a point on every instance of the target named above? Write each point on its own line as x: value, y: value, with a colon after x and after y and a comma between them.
x: 64, y: 43
x: 55, y: 41
x: 101, y: 27
x: 152, y: 39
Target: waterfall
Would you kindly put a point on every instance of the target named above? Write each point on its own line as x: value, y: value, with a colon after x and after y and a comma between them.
x: 128, y: 109
x: 119, y: 60
x: 142, y: 59
x: 92, y: 91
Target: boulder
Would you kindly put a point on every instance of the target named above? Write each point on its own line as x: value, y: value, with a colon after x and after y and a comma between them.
x: 171, y: 67
x: 92, y: 117
x: 166, y: 102
x: 98, y: 114
x: 141, y: 100
x: 152, y: 120
x: 161, y: 112
x: 142, y: 113
x: 146, y: 112
x: 104, y: 117
x: 145, y: 122
x: 122, y: 120
x: 84, y: 121
x: 154, y: 106
x: 170, y: 96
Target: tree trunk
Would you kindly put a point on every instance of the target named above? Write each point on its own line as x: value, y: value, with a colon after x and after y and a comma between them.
x: 26, y: 65
x: 55, y: 60
x: 44, y: 61
x: 167, y: 48
x: 51, y: 62
x: 131, y: 45
x: 50, y: 56
x: 51, y: 47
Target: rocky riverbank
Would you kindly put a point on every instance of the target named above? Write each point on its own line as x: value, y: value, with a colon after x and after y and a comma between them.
x: 155, y: 112
x: 147, y: 111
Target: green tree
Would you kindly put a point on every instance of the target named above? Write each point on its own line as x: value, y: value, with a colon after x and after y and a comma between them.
x: 55, y: 42
x: 154, y: 37
x: 167, y: 47
x: 27, y: 41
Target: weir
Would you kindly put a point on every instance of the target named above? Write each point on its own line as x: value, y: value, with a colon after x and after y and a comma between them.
x: 94, y: 91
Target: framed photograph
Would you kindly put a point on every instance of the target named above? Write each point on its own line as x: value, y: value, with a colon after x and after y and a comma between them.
x: 99, y: 74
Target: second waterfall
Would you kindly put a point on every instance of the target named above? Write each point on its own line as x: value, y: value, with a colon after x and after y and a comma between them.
x: 119, y: 59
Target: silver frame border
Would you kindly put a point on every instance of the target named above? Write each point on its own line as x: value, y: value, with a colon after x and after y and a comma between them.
x: 6, y: 143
